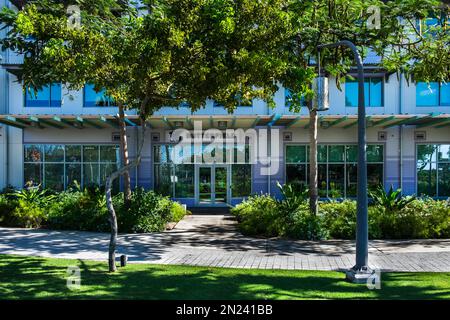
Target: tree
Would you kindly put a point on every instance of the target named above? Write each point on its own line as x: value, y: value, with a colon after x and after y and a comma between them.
x: 398, y: 41
x: 177, y: 51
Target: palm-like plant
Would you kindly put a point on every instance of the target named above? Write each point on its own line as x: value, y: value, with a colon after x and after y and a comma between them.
x: 393, y: 200
x: 292, y: 198
x: 34, y: 196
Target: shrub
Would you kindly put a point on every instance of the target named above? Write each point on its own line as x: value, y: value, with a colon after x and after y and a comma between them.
x: 28, y: 214
x: 7, y: 207
x: 178, y: 212
x: 304, y: 225
x: 339, y: 218
x: 258, y: 216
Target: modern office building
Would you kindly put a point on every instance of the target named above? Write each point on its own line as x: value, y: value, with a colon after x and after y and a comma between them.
x: 59, y: 137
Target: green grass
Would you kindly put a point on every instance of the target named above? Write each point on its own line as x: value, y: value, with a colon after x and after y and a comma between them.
x: 41, y: 278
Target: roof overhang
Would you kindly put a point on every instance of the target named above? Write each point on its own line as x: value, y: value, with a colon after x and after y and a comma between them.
x: 436, y: 120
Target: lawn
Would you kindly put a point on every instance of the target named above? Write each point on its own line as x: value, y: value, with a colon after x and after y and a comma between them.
x: 42, y: 278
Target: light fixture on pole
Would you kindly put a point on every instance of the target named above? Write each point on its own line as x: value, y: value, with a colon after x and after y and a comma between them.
x: 360, y: 272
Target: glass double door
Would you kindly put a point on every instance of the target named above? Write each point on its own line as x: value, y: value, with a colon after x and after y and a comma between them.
x: 212, y: 182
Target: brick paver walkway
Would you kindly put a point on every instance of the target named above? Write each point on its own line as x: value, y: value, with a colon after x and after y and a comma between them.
x: 207, y: 240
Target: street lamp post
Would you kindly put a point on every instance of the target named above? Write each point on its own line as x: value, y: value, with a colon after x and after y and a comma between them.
x: 361, y: 271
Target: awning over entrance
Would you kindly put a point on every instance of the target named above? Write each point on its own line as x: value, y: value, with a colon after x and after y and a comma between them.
x: 436, y: 120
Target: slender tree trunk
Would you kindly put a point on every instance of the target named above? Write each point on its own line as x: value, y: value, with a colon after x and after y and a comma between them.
x: 313, y: 169
x: 109, y: 202
x: 125, y: 158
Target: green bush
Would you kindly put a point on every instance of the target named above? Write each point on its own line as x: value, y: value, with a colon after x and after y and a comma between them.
x: 263, y: 215
x: 258, y: 216
x: 7, y: 207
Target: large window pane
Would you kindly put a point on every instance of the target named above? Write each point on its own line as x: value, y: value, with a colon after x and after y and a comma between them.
x: 352, y: 153
x: 73, y: 175
x: 336, y: 178
x: 374, y: 153
x: 73, y: 153
x: 96, y: 99
x: 241, y: 180
x: 352, y: 180
x: 90, y: 154
x: 163, y: 184
x: 427, y: 95
x: 33, y: 153
x: 426, y: 153
x: 54, y: 176
x: 184, y: 181
x: 322, y: 153
x: 426, y: 179
x: 90, y: 174
x: 296, y: 154
x: 296, y: 176
x: 374, y: 176
x: 55, y: 95
x: 32, y: 174
x: 105, y: 172
x: 336, y: 153
x: 162, y: 153
x: 376, y: 92
x: 445, y: 94
x: 110, y: 153
x: 322, y: 180
x: 444, y: 179
x: 54, y: 153
x: 444, y: 153
x: 351, y: 93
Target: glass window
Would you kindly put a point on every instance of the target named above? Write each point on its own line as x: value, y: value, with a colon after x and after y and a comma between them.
x: 58, y: 167
x: 373, y: 92
x: 427, y: 95
x: 47, y: 96
x: 337, y: 168
x: 91, y: 174
x: 73, y: 175
x: 109, y: 153
x: 32, y: 174
x: 54, y: 176
x: 162, y: 153
x: 444, y: 94
x: 295, y: 154
x: 73, y: 153
x: 184, y: 181
x: 433, y: 176
x: 54, y: 153
x: 33, y: 153
x: 336, y: 153
x: 90, y: 154
x: 163, y: 183
x: 96, y: 99
x: 241, y: 180
x: 296, y: 175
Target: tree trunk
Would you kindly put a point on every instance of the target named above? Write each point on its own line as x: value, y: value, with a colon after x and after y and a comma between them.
x: 109, y: 202
x: 125, y: 158
x: 313, y: 169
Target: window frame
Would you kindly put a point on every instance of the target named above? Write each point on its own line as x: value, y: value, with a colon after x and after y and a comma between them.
x: 106, y: 106
x: 439, y: 96
x: 43, y: 161
x: 27, y: 92
x: 436, y: 162
x: 368, y: 95
x: 345, y: 163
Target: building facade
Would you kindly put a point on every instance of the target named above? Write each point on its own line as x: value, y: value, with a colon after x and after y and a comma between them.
x: 59, y: 138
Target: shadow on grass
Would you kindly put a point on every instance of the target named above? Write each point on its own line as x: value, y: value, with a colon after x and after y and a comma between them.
x: 31, y: 278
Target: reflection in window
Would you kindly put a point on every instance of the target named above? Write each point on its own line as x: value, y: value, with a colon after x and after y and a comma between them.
x: 373, y: 92
x: 93, y: 98
x: 59, y: 167
x: 432, y: 94
x: 433, y: 170
x: 47, y: 96
x: 337, y: 166
x: 241, y: 180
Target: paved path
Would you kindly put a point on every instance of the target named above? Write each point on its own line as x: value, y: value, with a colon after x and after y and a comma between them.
x: 207, y: 240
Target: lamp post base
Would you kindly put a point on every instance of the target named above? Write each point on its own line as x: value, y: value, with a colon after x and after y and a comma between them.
x: 359, y: 274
